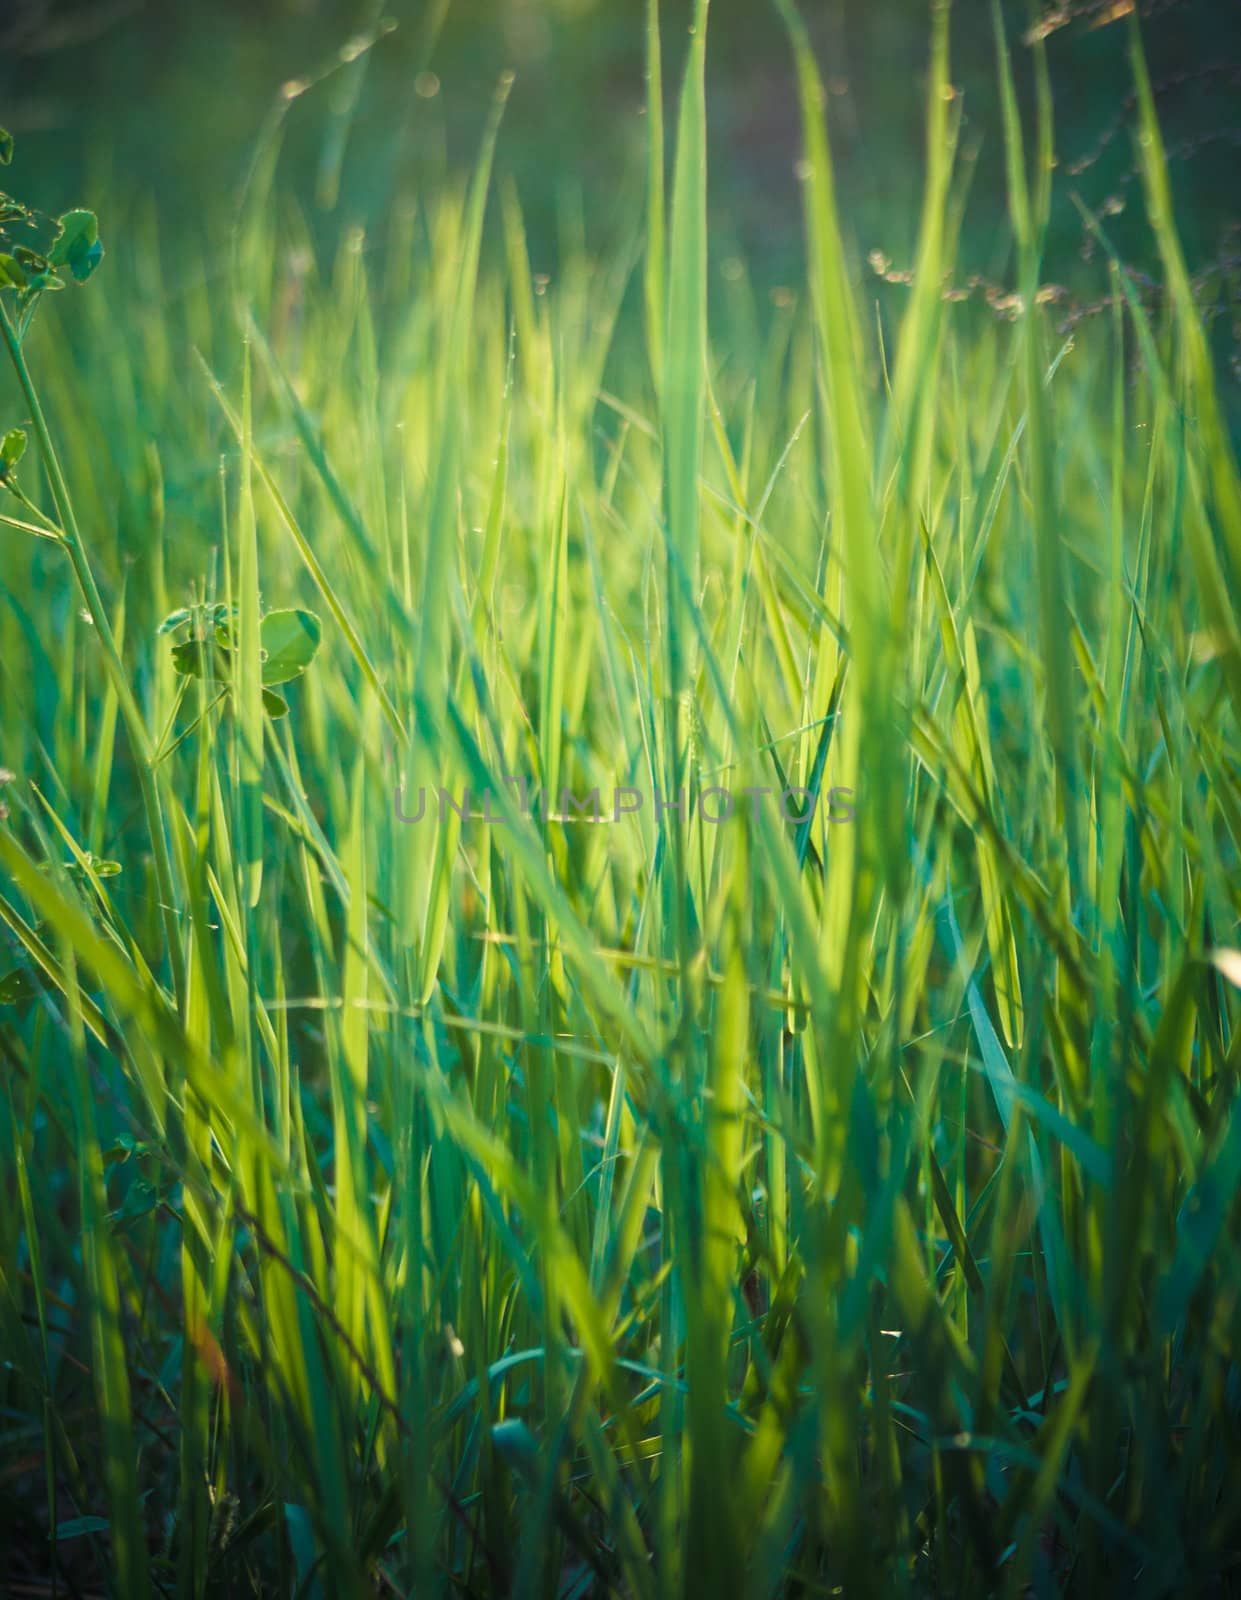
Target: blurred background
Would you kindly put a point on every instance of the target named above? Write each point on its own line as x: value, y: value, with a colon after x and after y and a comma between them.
x: 159, y: 102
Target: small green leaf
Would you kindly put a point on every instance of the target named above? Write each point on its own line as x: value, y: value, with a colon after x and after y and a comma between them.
x: 124, y: 1146
x: 141, y: 1198
x: 516, y: 1444
x: 11, y: 274
x: 75, y: 1527
x: 173, y: 621
x: 36, y: 286
x: 74, y: 229
x: 277, y: 705
x: 290, y: 640
x: 212, y: 618
x: 98, y: 865
x: 35, y: 265
x: 6, y: 147
x: 12, y: 449
x: 199, y: 659
x: 83, y: 262
x: 77, y: 245
x: 188, y: 658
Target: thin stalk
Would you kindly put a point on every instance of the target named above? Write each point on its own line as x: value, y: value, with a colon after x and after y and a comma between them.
x: 135, y: 726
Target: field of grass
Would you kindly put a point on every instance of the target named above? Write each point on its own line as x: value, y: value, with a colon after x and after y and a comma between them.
x: 840, y: 1198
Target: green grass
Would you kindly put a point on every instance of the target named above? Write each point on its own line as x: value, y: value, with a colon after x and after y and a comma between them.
x: 781, y: 1207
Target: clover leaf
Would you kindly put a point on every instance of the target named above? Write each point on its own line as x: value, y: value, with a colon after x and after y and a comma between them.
x: 76, y: 244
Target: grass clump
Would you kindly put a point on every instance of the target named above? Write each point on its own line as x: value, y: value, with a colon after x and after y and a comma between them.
x: 839, y: 1198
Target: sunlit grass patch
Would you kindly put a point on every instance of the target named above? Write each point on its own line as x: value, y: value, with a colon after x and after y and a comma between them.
x: 794, y: 1204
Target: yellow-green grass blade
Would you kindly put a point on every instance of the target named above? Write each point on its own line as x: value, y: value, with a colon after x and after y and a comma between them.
x: 249, y: 686
x: 1029, y: 218
x: 654, y: 284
